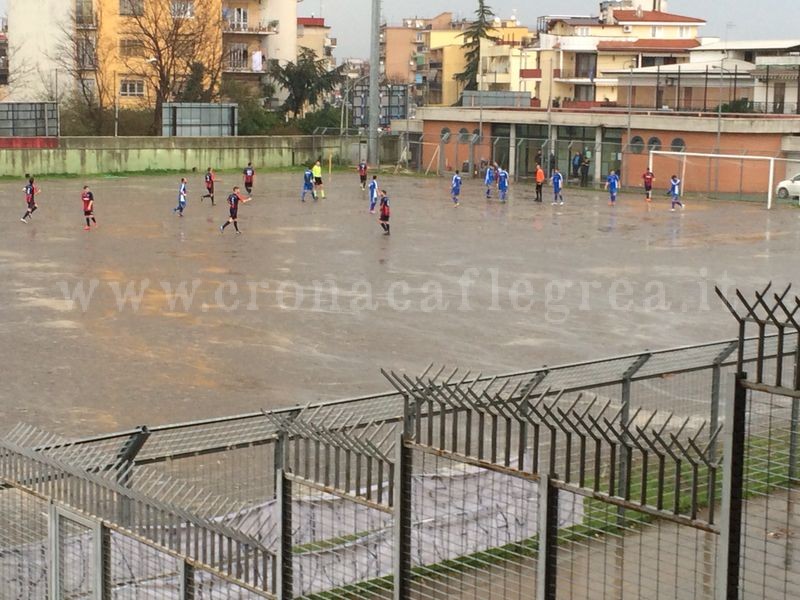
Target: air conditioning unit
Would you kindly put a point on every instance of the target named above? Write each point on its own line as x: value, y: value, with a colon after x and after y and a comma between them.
x: 627, y: 29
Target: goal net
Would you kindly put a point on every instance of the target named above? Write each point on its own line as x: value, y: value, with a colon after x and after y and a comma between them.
x: 766, y: 179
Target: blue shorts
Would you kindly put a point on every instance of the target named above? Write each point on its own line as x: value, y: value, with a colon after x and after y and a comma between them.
x: 455, y: 192
x: 309, y: 187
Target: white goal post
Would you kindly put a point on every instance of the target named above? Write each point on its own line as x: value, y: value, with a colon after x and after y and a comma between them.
x: 710, y: 155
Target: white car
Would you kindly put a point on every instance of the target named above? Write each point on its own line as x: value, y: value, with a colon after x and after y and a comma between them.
x: 789, y: 188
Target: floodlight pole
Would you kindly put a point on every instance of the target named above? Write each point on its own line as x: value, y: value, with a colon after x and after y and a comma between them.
x: 374, y: 84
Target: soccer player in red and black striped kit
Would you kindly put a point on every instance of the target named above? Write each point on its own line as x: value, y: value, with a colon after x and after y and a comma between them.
x: 87, y: 197
x: 210, y: 179
x: 233, y: 205
x: 648, y: 178
x: 249, y: 177
x: 30, y: 190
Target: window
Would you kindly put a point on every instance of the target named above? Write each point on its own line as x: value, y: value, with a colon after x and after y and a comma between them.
x: 131, y: 7
x: 131, y: 88
x: 84, y: 12
x: 678, y: 145
x: 655, y: 31
x: 128, y: 48
x: 445, y: 134
x: 85, y: 55
x: 238, y: 19
x: 683, y: 32
x: 182, y: 9
x: 585, y: 65
x: 636, y: 144
x: 463, y: 135
x: 654, y: 143
x: 238, y: 57
x: 582, y: 31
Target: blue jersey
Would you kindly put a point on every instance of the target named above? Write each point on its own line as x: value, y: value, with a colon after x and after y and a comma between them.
x: 502, y: 179
x: 373, y: 188
x: 456, y: 185
x: 308, y: 180
x: 558, y: 181
x: 613, y: 183
x: 675, y: 187
x: 182, y: 192
x: 490, y: 174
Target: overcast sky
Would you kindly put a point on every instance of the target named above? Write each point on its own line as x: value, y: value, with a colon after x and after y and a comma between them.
x: 766, y: 19
x: 775, y: 19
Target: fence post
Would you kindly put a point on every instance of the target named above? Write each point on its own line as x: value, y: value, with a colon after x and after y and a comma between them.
x: 402, y: 510
x: 186, y: 575
x: 278, y: 461
x: 285, y: 584
x: 54, y: 551
x: 103, y: 560
x: 547, y: 565
x: 716, y: 380
x: 729, y: 556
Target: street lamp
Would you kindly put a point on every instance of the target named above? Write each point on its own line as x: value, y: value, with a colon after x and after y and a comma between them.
x: 631, y: 65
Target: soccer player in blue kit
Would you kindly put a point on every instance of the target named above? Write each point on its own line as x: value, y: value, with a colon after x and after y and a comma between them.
x: 612, y: 185
x: 558, y: 185
x: 308, y: 185
x: 675, y: 192
x: 182, y: 191
x: 490, y: 179
x: 455, y: 188
x: 373, y: 193
x: 502, y: 183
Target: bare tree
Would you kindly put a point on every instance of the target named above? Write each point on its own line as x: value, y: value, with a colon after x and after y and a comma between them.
x: 173, y: 36
x: 85, y: 58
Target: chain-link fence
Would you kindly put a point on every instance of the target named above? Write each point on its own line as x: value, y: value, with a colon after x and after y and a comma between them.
x: 614, y: 478
x: 705, y: 172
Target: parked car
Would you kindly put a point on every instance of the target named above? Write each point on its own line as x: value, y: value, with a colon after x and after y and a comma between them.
x: 789, y: 188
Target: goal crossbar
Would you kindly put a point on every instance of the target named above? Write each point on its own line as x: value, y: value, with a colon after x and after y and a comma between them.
x: 771, y: 159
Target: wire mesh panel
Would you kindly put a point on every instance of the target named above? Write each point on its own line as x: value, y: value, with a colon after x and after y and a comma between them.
x: 613, y: 554
x: 339, y: 546
x: 77, y: 564
x: 141, y: 572
x: 771, y: 516
x: 473, y: 531
x: 24, y: 566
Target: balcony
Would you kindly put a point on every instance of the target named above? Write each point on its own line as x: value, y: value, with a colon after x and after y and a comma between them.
x: 243, y: 27
x: 530, y: 73
x: 435, y: 64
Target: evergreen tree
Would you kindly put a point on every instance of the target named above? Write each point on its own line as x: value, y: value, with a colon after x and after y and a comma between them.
x: 477, y: 31
x: 305, y: 81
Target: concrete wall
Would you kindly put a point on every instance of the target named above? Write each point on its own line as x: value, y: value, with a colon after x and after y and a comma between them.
x: 87, y: 156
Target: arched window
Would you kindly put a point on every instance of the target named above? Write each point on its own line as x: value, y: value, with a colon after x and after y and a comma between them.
x: 637, y: 144
x: 678, y: 145
x: 654, y: 143
x: 463, y: 135
x: 445, y: 134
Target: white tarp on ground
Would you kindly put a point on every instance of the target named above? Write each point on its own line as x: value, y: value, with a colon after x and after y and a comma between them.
x: 337, y: 542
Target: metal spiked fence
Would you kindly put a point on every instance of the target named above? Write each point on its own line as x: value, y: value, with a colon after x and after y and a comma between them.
x: 606, y: 479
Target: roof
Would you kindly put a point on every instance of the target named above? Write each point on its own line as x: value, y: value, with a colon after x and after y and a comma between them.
x: 731, y: 66
x: 752, y: 45
x: 311, y: 21
x: 652, y: 16
x: 643, y: 45
x: 576, y: 21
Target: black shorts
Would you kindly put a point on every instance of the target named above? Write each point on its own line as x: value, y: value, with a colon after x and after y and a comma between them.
x: 648, y: 188
x: 234, y: 212
x: 88, y: 213
x: 31, y: 203
x: 384, y: 218
x: 317, y: 180
x: 248, y: 185
x: 210, y: 189
x: 363, y: 178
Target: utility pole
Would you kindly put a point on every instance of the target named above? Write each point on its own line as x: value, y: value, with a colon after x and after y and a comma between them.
x: 374, y: 84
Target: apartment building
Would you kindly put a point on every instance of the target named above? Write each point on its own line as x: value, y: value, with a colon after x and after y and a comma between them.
x: 55, y: 44
x: 314, y: 34
x: 403, y: 47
